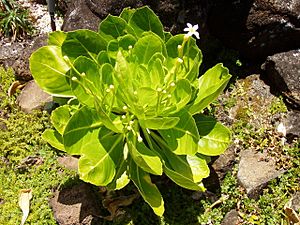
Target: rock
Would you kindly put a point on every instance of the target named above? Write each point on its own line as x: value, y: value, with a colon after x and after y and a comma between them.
x: 295, y: 201
x: 10, y: 52
x: 224, y: 162
x: 21, y: 65
x: 173, y: 13
x: 257, y: 28
x: 33, y: 97
x: 231, y: 218
x: 79, y: 16
x: 43, y: 2
x: 292, y: 123
x: 76, y: 205
x: 69, y: 162
x: 255, y: 171
x: 283, y: 70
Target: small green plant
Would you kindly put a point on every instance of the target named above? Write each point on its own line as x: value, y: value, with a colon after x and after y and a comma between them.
x: 14, y: 20
x: 134, y: 103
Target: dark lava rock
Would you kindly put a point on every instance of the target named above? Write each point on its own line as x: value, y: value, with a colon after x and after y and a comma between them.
x: 255, y: 171
x: 283, y: 70
x: 174, y: 14
x: 79, y: 16
x: 76, y: 205
x: 292, y: 123
x: 257, y: 28
x: 224, y: 162
x: 33, y: 97
x: 231, y: 218
x: 21, y: 65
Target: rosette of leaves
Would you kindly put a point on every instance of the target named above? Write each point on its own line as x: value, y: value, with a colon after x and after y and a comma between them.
x: 134, y: 103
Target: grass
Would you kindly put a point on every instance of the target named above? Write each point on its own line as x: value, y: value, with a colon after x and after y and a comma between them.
x: 20, y: 138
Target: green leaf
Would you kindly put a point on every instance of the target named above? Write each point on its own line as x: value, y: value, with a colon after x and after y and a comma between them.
x: 57, y: 38
x: 144, y: 19
x: 79, y: 132
x: 182, y: 139
x: 54, y: 139
x: 97, y: 162
x: 180, y: 96
x: 126, y: 41
x: 49, y: 70
x: 112, y: 27
x: 147, y: 189
x: 159, y: 123
x: 87, y: 84
x: 211, y: 84
x: 146, y: 47
x: 121, y: 178
x: 83, y: 43
x: 214, y: 137
x: 60, y: 118
x: 156, y: 70
x: 127, y: 13
x: 145, y: 158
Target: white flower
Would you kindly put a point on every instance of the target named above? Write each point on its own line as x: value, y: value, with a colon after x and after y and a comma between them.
x: 281, y: 129
x: 192, y: 30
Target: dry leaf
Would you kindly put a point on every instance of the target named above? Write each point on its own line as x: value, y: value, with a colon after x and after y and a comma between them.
x: 24, y: 203
x: 113, y: 205
x: 292, y: 216
x: 13, y: 87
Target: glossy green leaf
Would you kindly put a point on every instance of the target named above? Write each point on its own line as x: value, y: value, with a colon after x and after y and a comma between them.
x: 214, y: 137
x: 182, y: 139
x: 54, y: 139
x: 112, y: 27
x: 146, y: 47
x: 144, y: 19
x: 60, y: 118
x: 57, y: 38
x: 159, y: 123
x: 49, y: 70
x: 80, y: 130
x: 121, y: 178
x: 86, y: 86
x: 145, y: 158
x: 97, y: 162
x: 126, y: 14
x: 211, y: 84
x: 83, y: 43
x: 147, y: 189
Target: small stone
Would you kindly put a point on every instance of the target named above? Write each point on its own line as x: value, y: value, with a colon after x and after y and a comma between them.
x: 69, y: 162
x: 295, y: 205
x: 231, y: 218
x: 255, y: 171
x: 33, y: 97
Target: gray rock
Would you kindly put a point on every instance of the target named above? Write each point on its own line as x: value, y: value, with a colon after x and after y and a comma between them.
x: 33, y: 97
x: 231, y: 218
x: 255, y: 171
x: 76, y: 205
x: 9, y: 52
x: 283, y: 70
x: 295, y: 202
x: 257, y: 28
x: 69, y: 162
x: 79, y: 16
x: 292, y: 123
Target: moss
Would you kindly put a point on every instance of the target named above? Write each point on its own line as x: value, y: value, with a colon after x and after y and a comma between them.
x: 21, y: 138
